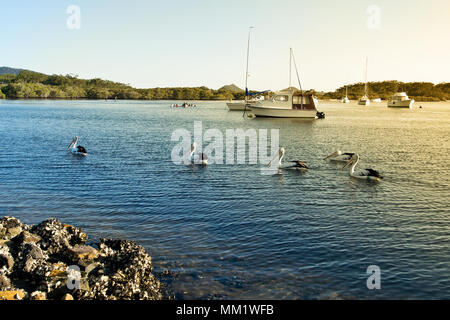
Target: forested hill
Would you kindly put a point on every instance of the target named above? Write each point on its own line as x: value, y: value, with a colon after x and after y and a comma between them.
x: 420, y: 91
x: 33, y: 85
x: 29, y: 84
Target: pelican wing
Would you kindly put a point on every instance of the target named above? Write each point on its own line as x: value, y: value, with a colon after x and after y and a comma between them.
x: 300, y: 164
x: 373, y: 173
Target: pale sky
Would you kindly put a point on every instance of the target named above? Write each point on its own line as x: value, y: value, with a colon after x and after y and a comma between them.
x: 204, y: 42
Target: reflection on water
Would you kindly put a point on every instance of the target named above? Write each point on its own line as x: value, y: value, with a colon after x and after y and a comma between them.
x: 227, y: 231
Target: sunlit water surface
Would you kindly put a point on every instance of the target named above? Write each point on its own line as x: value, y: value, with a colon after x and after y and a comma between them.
x: 227, y: 231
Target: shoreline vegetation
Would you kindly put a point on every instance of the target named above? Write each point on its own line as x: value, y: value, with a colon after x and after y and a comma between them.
x: 25, y: 84
x: 52, y: 261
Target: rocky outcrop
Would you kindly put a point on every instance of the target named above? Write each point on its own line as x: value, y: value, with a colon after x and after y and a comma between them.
x: 52, y: 261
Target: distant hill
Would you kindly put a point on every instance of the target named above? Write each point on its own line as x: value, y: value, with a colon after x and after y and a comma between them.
x: 231, y: 88
x: 8, y: 70
x: 25, y: 84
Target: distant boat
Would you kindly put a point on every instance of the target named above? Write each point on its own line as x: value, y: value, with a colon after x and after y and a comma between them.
x: 400, y: 100
x: 345, y: 99
x: 364, y: 100
x: 376, y: 100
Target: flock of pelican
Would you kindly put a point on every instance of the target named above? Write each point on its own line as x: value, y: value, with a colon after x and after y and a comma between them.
x: 337, y: 156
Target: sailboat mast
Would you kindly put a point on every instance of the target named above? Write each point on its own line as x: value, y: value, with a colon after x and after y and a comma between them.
x: 365, y: 86
x: 246, y: 70
x: 290, y: 67
x: 298, y: 78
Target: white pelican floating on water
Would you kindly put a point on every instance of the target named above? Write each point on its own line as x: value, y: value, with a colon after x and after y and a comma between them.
x: 199, y: 158
x: 339, y: 156
x: 368, y: 174
x: 297, y: 164
x: 76, y: 150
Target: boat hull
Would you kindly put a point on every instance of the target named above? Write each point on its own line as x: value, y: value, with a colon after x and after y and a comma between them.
x: 238, y: 106
x: 364, y: 102
x: 401, y: 104
x: 283, y: 113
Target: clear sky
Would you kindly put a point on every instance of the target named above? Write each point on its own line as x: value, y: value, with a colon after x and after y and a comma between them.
x: 203, y: 42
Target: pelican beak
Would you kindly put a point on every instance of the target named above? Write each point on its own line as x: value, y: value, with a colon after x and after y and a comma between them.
x: 271, y: 161
x: 347, y: 164
x: 331, y: 155
x: 70, y: 144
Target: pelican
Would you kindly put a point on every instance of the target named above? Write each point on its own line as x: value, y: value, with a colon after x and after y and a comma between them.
x: 76, y: 150
x: 297, y: 164
x: 339, y: 156
x: 368, y: 174
x: 199, y: 158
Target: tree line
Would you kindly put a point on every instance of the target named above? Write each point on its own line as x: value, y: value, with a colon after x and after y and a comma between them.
x: 33, y: 85
x: 420, y: 91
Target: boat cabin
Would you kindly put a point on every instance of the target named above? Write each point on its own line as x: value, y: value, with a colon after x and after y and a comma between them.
x: 294, y: 100
x: 399, y: 96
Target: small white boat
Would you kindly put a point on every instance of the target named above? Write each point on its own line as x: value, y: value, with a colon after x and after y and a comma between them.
x: 345, y: 99
x: 287, y: 104
x: 376, y: 100
x: 400, y: 100
x: 364, y: 100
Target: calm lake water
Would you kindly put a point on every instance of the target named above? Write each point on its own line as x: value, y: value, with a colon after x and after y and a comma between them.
x: 226, y: 231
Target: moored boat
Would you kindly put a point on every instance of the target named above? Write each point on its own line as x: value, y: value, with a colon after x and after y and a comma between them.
x: 287, y: 104
x: 345, y: 99
x: 364, y: 100
x: 400, y: 100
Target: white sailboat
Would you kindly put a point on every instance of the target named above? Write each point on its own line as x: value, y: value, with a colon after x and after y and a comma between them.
x: 345, y: 99
x: 242, y: 105
x: 288, y: 103
x: 364, y: 100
